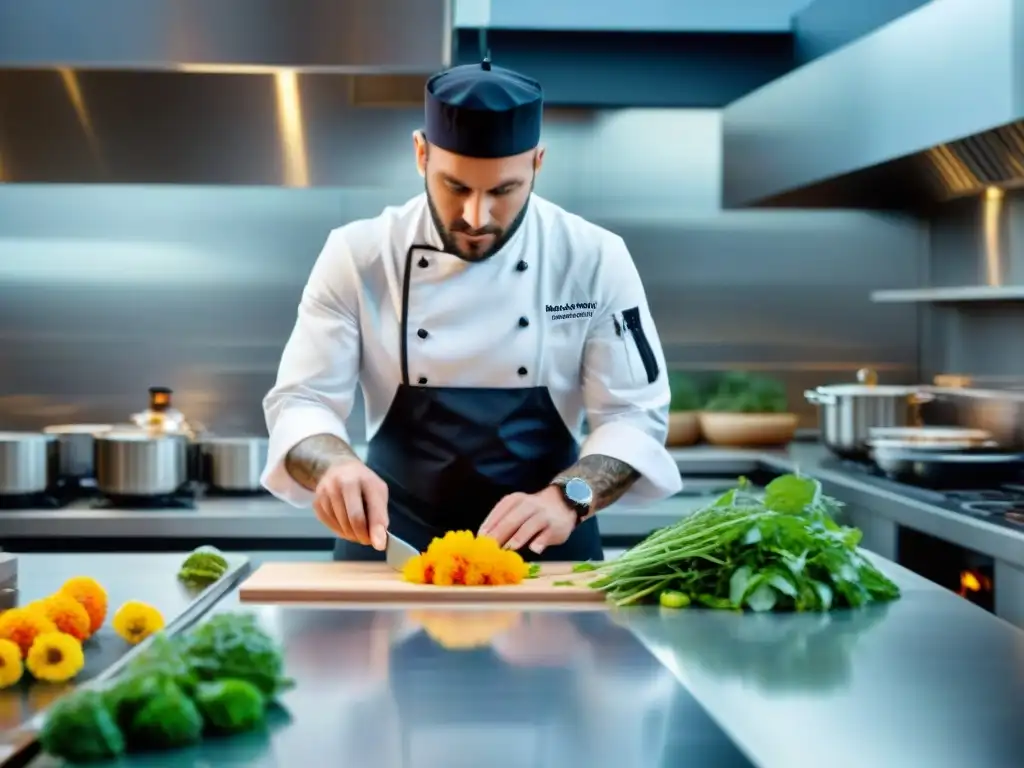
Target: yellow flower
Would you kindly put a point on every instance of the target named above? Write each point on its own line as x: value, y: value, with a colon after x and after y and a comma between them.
x: 460, y: 558
x: 22, y: 626
x: 135, y: 621
x: 91, y: 596
x: 11, y: 668
x: 55, y: 657
x: 67, y: 614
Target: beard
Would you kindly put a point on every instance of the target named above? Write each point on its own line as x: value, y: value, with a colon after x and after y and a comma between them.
x: 501, y: 236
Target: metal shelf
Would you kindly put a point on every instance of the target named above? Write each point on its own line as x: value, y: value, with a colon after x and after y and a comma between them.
x: 951, y: 295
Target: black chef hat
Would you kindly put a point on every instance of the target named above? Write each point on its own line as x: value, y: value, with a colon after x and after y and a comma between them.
x: 479, y: 110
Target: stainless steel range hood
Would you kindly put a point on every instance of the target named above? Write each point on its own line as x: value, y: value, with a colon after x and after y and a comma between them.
x: 925, y: 109
x: 204, y: 91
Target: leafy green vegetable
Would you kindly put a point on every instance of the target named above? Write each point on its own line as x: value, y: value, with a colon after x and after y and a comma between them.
x: 234, y: 645
x: 231, y: 706
x: 748, y: 393
x: 783, y: 551
x: 166, y: 719
x: 791, y: 494
x: 165, y: 657
x: 534, y: 571
x: 685, y: 392
x: 583, y: 567
x: 79, y: 728
x: 563, y: 583
x: 203, y: 567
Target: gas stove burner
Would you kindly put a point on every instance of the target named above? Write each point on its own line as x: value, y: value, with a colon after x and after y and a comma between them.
x: 1010, y: 511
x: 183, y: 498
x: 33, y: 501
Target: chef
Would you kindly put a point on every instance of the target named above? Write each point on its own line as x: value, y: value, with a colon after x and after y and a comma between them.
x: 485, y: 325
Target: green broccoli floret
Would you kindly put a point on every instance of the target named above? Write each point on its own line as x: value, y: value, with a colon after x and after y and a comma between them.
x: 165, y: 718
x: 80, y: 729
x: 231, y: 706
x: 234, y: 645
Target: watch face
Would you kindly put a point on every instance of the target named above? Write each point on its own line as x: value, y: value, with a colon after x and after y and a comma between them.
x: 578, y: 491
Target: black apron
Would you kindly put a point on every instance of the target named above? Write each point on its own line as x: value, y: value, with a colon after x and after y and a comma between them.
x: 449, y: 454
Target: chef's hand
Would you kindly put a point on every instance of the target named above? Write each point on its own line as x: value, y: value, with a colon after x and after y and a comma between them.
x: 352, y: 501
x: 541, y: 520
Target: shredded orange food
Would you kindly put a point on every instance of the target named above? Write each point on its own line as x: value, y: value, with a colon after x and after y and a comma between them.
x: 460, y: 558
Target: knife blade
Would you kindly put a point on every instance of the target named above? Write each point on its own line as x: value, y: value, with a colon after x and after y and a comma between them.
x: 399, y: 552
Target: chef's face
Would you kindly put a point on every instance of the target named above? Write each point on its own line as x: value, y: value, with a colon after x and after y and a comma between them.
x: 477, y: 204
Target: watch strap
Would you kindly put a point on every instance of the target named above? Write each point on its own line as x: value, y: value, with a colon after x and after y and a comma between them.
x: 581, y: 509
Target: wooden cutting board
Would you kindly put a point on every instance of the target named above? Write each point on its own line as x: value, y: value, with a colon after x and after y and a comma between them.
x: 319, y: 582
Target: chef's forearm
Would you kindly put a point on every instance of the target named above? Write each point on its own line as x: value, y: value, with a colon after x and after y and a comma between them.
x: 608, y: 478
x: 312, y: 457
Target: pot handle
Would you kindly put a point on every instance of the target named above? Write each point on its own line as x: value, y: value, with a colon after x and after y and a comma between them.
x: 817, y: 397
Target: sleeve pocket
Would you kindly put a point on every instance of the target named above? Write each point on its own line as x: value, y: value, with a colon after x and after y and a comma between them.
x: 635, y: 328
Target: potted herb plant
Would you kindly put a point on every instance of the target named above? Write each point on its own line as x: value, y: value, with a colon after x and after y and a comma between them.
x: 748, y: 410
x: 683, y: 417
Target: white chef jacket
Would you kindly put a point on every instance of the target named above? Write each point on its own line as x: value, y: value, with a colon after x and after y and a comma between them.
x: 556, y: 323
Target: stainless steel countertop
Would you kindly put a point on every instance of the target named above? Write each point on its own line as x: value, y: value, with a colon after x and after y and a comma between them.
x: 929, y: 681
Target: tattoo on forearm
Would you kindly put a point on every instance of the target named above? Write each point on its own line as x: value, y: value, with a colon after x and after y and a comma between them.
x: 608, y: 478
x: 310, y: 458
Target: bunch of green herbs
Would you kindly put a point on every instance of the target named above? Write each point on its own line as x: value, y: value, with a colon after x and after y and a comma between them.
x: 781, y: 550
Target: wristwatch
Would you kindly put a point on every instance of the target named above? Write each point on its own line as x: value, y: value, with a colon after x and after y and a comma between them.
x: 577, y: 494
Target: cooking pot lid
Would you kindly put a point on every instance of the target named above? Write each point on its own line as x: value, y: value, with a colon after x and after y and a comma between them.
x: 139, y: 436
x: 77, y: 429
x: 868, y: 389
x: 18, y: 437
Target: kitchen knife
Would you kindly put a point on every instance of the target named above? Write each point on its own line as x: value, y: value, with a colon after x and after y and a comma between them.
x: 399, y: 552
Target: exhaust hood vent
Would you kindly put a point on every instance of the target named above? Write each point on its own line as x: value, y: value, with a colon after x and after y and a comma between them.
x: 923, y: 110
x: 338, y: 36
x: 210, y: 91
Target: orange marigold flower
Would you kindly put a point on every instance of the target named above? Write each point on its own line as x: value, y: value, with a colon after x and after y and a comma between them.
x: 91, y: 595
x: 22, y: 626
x: 460, y: 558
x: 67, y: 614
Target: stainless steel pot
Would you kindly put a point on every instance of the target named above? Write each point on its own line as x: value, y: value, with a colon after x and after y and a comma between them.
x: 76, y: 448
x: 848, y: 412
x: 140, y: 463
x: 999, y: 412
x: 234, y: 463
x: 28, y: 463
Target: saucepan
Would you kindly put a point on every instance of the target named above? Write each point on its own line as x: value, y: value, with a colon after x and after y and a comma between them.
x: 848, y: 413
x: 233, y: 464
x: 140, y: 463
x: 28, y: 463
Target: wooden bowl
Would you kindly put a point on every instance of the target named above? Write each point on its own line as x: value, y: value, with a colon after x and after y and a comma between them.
x: 748, y: 429
x: 683, y: 428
